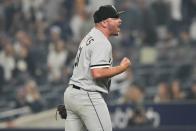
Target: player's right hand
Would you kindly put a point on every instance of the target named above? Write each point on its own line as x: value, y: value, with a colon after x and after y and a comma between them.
x: 125, y: 63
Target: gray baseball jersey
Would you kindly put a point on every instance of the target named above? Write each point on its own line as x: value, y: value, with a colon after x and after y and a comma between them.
x: 95, y: 51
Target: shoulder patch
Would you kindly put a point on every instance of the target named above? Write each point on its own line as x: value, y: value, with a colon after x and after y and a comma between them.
x: 89, y: 40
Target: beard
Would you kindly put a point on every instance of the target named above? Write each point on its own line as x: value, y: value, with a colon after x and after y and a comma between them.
x: 115, y: 30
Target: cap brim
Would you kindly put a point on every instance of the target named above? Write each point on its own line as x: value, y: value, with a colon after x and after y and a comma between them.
x: 121, y: 12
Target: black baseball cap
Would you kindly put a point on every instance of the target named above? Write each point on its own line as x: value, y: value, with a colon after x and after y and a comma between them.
x: 106, y: 11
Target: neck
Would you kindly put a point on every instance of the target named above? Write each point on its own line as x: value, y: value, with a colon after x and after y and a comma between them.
x: 103, y: 30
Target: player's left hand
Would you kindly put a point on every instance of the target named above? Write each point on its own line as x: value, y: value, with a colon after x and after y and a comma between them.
x: 62, y: 111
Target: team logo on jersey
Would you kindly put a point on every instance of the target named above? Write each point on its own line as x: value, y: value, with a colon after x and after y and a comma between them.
x: 90, y: 40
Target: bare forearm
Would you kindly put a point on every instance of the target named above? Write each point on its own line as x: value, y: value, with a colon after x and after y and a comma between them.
x: 99, y: 73
x: 107, y: 72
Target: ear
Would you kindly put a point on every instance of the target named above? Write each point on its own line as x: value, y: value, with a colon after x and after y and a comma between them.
x: 104, y: 23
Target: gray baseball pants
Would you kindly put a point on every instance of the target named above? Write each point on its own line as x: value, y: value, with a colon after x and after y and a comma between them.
x: 86, y: 111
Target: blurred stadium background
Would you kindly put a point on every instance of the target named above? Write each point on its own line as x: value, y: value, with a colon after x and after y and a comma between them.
x: 38, y: 42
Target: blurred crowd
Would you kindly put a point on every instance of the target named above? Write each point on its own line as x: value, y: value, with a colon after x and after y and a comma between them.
x: 39, y: 40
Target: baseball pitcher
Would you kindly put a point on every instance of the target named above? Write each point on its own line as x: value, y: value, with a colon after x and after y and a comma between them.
x: 86, y: 108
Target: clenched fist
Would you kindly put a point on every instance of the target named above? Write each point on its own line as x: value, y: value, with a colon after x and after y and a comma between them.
x: 125, y: 63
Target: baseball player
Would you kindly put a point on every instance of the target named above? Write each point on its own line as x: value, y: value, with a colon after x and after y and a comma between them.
x: 86, y: 108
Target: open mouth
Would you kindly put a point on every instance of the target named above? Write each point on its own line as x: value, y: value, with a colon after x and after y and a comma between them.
x: 119, y: 27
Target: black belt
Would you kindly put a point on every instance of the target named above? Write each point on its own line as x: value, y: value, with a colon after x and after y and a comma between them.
x: 76, y: 87
x: 79, y: 88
